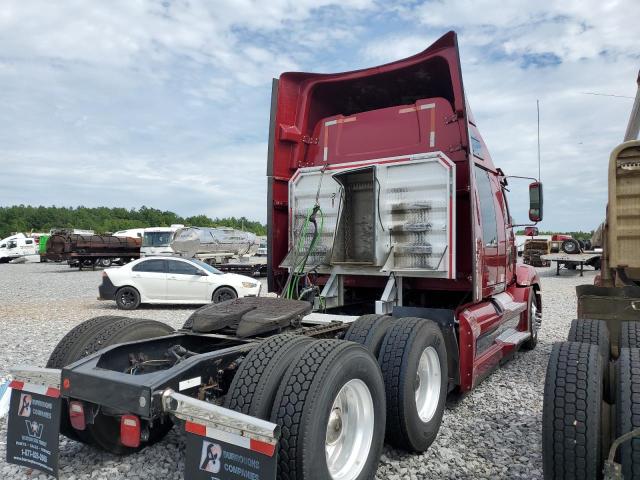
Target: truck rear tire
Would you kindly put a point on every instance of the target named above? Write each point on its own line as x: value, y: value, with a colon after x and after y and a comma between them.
x: 68, y: 350
x: 105, y: 262
x: 629, y: 335
x: 255, y: 384
x: 594, y: 332
x: 369, y: 330
x: 127, y: 298
x: 413, y: 360
x: 71, y: 347
x: 105, y: 429
x: 89, y: 337
x: 331, y: 408
x: 571, y: 413
x: 570, y: 246
x: 628, y: 410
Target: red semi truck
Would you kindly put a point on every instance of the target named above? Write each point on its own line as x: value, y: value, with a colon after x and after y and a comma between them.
x: 391, y: 246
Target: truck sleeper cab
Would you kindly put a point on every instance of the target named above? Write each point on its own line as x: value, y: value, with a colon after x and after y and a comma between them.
x: 438, y: 239
x: 390, y: 244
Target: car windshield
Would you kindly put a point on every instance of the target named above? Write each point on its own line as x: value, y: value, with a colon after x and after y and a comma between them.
x: 207, y: 267
x: 156, y: 239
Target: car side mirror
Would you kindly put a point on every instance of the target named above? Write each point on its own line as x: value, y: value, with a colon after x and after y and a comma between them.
x: 202, y: 273
x: 535, y: 201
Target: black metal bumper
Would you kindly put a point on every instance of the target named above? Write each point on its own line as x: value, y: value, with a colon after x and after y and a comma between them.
x: 107, y: 290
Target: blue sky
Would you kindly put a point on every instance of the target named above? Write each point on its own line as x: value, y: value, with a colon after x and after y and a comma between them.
x: 165, y: 103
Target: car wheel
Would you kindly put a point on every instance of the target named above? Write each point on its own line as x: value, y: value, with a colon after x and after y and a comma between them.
x: 127, y: 298
x: 222, y: 294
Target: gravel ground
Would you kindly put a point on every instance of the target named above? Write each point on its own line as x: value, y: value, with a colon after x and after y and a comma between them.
x: 493, y: 432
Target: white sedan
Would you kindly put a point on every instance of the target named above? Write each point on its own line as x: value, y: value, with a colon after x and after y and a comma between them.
x: 171, y: 280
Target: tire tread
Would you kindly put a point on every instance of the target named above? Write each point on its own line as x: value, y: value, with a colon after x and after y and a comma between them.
x: 594, y: 332
x: 628, y: 409
x: 249, y: 380
x: 572, y: 411
x: 629, y: 335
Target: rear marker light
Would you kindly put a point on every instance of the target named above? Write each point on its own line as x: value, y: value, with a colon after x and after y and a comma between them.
x: 130, y: 431
x: 76, y: 415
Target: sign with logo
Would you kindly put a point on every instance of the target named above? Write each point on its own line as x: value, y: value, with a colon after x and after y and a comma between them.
x: 211, y: 459
x: 32, y: 436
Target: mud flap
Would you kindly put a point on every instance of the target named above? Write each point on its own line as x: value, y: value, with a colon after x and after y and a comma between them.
x: 33, y: 427
x: 208, y: 457
x: 222, y: 444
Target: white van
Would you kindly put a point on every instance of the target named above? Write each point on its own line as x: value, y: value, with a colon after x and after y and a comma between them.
x: 130, y: 233
x: 157, y: 241
x: 17, y: 246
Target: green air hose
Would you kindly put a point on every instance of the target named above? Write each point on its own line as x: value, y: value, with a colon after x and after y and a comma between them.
x: 297, y: 271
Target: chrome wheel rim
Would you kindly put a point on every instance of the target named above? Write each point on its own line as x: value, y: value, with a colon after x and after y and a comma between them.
x: 536, y: 317
x: 428, y: 379
x: 349, y: 431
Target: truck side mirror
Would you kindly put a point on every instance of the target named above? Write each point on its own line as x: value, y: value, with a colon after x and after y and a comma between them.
x: 531, y: 231
x: 535, y: 202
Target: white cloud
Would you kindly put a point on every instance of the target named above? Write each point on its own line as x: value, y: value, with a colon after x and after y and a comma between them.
x: 165, y: 103
x: 516, y: 52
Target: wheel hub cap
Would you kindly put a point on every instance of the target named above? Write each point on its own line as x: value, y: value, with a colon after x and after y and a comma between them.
x: 536, y: 315
x: 334, y: 428
x: 349, y: 431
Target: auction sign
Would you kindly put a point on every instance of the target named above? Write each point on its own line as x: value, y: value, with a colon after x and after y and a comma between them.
x: 32, y: 436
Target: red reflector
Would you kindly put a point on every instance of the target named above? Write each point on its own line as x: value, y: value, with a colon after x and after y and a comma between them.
x: 130, y: 431
x: 195, y: 428
x: 16, y: 385
x: 52, y: 392
x: 76, y: 415
x: 66, y: 383
x: 262, y: 447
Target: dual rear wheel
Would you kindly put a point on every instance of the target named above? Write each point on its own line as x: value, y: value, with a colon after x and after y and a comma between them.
x: 337, y: 397
x: 86, y: 339
x: 590, y: 399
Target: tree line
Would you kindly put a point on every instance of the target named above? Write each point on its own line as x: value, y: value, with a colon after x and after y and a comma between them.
x: 25, y: 218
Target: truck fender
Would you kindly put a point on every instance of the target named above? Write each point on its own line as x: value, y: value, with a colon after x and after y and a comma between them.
x: 527, y: 276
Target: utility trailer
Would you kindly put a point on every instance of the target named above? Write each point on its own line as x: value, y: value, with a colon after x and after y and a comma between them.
x: 83, y: 250
x: 572, y: 261
x: 392, y: 250
x: 591, y: 413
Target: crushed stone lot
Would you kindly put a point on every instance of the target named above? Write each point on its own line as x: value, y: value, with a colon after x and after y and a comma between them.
x: 492, y: 433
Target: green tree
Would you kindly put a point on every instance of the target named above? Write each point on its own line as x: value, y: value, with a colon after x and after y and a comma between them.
x: 25, y: 218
